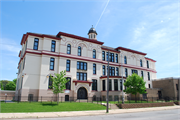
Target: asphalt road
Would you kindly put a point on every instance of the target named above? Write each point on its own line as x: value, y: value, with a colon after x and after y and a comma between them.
x: 153, y: 115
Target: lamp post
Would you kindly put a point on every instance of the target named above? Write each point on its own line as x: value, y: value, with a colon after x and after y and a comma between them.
x: 107, y: 98
x: 122, y: 79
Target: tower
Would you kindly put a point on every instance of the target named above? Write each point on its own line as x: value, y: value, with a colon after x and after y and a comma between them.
x: 92, y: 33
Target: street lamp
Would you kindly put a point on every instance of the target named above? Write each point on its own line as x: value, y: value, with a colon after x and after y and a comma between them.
x: 122, y: 79
x: 107, y: 98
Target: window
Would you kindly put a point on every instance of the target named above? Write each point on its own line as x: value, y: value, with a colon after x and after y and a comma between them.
x: 94, y: 85
x: 115, y: 84
x: 50, y: 83
x: 125, y: 60
x: 116, y: 58
x: 51, y: 63
x: 126, y: 72
x: 68, y: 65
x: 23, y: 63
x: 68, y: 84
x: 141, y: 63
x: 111, y: 71
x: 147, y: 64
x: 107, y: 56
x: 68, y: 49
x: 177, y: 87
x: 104, y: 85
x: 142, y: 75
x: 112, y: 57
x: 81, y: 76
x: 94, y: 68
x: 81, y: 65
x: 148, y: 76
x: 103, y: 55
x: 149, y: 86
x: 36, y: 41
x: 94, y: 53
x: 79, y: 51
x: 124, y: 86
x: 110, y: 85
x: 117, y: 71
x: 53, y: 45
x: 134, y: 71
x: 104, y: 70
x: 121, y: 85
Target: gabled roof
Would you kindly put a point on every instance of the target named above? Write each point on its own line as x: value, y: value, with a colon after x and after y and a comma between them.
x: 78, y: 37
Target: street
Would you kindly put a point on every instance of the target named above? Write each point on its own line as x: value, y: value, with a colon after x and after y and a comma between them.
x: 173, y: 114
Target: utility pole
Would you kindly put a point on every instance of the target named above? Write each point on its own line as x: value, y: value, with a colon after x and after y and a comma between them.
x: 107, y: 98
x: 122, y: 79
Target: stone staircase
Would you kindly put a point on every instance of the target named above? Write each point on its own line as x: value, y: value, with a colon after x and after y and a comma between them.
x: 81, y: 100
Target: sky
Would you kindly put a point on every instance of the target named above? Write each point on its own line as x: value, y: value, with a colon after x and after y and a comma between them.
x: 149, y: 26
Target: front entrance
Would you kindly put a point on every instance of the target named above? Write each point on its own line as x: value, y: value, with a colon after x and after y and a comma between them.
x: 82, y: 93
x: 159, y: 94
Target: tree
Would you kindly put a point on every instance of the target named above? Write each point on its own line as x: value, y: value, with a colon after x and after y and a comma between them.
x: 135, y: 84
x: 59, y: 83
x: 15, y: 80
x: 3, y: 84
x: 10, y: 86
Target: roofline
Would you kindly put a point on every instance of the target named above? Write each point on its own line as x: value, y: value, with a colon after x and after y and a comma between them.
x: 24, y: 38
x: 110, y: 50
x: 130, y: 50
x: 150, y: 59
x: 79, y: 37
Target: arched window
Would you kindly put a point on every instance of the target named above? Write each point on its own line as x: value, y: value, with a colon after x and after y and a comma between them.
x: 68, y: 49
x: 94, y: 53
x: 79, y: 51
x: 141, y: 63
x: 125, y: 60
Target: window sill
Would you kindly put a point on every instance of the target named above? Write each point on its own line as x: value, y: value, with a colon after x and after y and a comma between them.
x: 94, y: 74
x: 51, y: 70
x: 67, y: 71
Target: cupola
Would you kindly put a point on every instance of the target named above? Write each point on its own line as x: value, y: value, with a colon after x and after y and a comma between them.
x: 92, y: 33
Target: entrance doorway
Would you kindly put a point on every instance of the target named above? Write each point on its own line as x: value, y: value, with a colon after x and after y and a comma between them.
x: 82, y: 93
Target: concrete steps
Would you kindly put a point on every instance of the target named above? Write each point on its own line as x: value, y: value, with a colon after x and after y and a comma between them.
x: 81, y: 100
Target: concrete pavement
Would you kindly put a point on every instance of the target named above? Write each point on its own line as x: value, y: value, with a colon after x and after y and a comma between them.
x: 82, y: 113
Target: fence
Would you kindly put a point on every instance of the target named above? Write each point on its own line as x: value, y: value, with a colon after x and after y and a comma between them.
x: 97, y: 100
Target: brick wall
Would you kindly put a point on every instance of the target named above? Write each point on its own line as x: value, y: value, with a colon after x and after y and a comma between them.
x: 144, y: 105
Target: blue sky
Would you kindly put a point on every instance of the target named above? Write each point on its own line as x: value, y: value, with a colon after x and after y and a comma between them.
x: 150, y: 26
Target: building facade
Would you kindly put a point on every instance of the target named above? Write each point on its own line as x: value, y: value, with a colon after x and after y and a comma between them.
x: 85, y: 62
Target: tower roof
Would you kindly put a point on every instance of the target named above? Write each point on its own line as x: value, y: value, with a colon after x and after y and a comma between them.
x: 92, y: 30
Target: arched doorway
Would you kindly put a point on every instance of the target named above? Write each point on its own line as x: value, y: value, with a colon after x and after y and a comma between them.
x: 82, y: 93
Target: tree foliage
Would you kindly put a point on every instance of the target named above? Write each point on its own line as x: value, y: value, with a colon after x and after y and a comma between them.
x: 10, y: 86
x: 59, y: 82
x: 135, y: 84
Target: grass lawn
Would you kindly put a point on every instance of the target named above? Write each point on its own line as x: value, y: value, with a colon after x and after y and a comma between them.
x: 48, y: 107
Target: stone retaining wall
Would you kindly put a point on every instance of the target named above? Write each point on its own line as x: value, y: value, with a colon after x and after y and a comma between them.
x: 143, y: 105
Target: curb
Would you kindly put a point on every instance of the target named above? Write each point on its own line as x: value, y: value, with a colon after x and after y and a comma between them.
x: 80, y: 113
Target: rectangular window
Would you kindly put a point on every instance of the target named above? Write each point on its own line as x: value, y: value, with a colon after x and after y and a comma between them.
x: 104, y: 70
x: 149, y: 86
x: 115, y: 84
x: 177, y: 88
x: 36, y: 42
x: 50, y: 83
x: 110, y: 85
x: 94, y: 68
x: 51, y: 63
x: 111, y: 71
x: 134, y: 71
x: 68, y: 84
x: 147, y: 64
x: 104, y: 85
x: 103, y: 55
x: 126, y: 72
x: 68, y: 65
x: 81, y: 76
x: 117, y: 71
x: 106, y: 56
x: 148, y: 76
x: 81, y: 65
x: 53, y: 45
x: 94, y: 85
x: 142, y: 74
x: 121, y: 85
x: 112, y: 57
x: 116, y: 58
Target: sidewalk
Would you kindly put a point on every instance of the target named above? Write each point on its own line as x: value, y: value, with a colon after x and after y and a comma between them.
x: 82, y: 113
